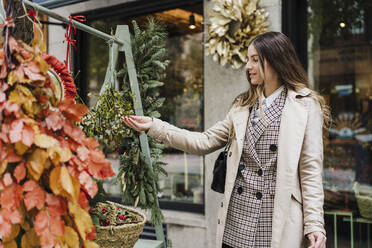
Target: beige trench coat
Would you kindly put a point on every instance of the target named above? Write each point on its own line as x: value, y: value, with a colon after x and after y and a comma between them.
x: 298, y: 202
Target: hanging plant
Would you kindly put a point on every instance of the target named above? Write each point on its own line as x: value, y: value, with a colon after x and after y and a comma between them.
x: 232, y: 24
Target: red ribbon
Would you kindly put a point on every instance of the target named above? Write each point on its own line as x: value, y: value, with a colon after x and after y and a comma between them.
x: 70, y: 41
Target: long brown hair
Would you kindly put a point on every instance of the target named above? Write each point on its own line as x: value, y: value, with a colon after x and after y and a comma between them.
x: 277, y: 50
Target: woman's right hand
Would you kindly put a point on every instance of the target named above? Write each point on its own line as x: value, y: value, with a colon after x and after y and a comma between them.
x: 138, y: 123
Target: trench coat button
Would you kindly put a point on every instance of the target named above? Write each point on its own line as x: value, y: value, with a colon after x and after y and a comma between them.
x: 221, y: 204
x: 240, y: 190
x: 259, y: 195
x: 218, y: 221
x: 260, y: 172
x: 230, y: 154
x: 273, y: 148
x: 241, y: 167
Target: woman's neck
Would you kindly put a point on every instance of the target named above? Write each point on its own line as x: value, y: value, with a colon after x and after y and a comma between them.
x: 271, y: 87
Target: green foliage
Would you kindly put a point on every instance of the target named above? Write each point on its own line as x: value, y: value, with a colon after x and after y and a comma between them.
x: 104, y: 122
x: 138, y: 181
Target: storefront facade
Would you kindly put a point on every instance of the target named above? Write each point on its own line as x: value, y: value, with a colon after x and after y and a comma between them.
x: 335, y: 48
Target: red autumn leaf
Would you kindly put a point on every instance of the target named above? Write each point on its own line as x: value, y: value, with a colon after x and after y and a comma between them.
x: 32, y: 71
x: 97, y: 156
x: 11, y: 196
x: 2, y: 96
x: 91, y: 143
x: 89, y: 185
x: 73, y: 131
x: 11, y: 108
x: 35, y: 198
x: 41, y: 222
x: 29, y: 186
x: 15, y: 132
x: 13, y: 157
x: 20, y: 172
x: 3, y: 72
x: 71, y: 110
x: 57, y: 226
x: 5, y: 227
x: 56, y: 205
x: 72, y: 145
x: 47, y: 240
x: 101, y: 171
x: 54, y: 120
x: 28, y: 135
x: 13, y: 217
x: 83, y: 153
x: 92, y: 235
x: 83, y: 201
x: 7, y: 180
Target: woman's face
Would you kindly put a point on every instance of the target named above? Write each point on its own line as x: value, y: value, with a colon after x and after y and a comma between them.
x: 253, y: 66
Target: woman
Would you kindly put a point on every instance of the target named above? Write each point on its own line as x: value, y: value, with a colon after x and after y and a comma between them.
x: 273, y: 193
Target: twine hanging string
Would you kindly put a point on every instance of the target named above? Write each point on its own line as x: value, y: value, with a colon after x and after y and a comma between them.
x: 70, y: 41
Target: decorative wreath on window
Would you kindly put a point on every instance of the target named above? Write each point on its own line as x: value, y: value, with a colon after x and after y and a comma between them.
x: 232, y: 24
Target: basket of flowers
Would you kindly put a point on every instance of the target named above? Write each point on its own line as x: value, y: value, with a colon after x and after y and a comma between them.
x: 363, y: 195
x: 119, y: 226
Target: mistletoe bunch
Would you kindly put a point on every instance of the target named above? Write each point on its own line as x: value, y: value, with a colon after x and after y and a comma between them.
x: 138, y: 181
x: 47, y: 164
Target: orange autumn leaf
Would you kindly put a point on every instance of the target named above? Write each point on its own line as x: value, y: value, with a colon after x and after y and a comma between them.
x: 83, y: 153
x: 90, y: 244
x: 57, y: 226
x: 56, y: 205
x: 10, y: 244
x: 73, y: 132
x: 71, y: 238
x: 45, y: 141
x: 58, y: 154
x: 13, y: 234
x: 62, y: 183
x: 12, y: 157
x: 81, y: 219
x: 30, y: 239
x: 41, y: 222
x: 36, y: 163
x: 13, y: 217
x: 35, y: 198
x: 19, y: 172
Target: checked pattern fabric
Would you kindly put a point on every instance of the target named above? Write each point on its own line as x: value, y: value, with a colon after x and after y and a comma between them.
x: 249, y: 216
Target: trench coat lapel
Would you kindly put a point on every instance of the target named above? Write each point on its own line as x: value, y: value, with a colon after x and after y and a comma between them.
x: 291, y: 133
x: 240, y: 119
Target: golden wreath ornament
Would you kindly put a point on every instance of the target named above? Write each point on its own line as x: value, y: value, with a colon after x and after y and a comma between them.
x: 232, y: 24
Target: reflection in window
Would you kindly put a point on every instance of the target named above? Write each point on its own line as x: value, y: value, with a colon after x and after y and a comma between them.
x: 340, y: 67
x: 183, y: 90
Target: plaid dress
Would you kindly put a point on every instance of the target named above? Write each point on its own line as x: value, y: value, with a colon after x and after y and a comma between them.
x: 249, y: 216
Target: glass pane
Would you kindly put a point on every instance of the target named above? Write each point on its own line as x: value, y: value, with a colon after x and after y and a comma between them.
x: 340, y: 67
x: 183, y: 90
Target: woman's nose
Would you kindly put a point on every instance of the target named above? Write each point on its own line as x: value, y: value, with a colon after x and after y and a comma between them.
x: 248, y: 66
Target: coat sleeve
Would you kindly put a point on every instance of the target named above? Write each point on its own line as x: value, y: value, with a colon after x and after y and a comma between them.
x: 310, y: 170
x: 192, y: 142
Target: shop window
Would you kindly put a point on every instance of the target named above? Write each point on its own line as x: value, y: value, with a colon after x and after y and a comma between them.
x: 183, y: 90
x: 340, y: 68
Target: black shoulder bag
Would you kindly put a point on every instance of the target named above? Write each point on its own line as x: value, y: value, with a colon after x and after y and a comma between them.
x: 219, y: 170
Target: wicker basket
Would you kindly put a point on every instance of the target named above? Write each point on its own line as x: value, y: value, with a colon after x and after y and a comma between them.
x: 123, y: 236
x: 363, y: 195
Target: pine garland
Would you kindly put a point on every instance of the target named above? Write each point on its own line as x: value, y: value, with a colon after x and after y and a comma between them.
x: 136, y: 177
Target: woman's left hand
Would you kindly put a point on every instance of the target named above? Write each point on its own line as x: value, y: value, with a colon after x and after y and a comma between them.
x: 317, y: 240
